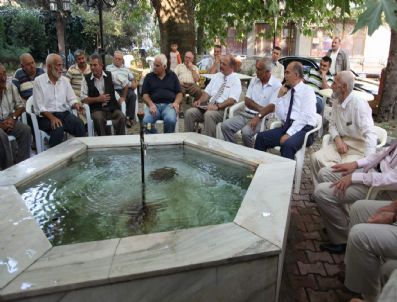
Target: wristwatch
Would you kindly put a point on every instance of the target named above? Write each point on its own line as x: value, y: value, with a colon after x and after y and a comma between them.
x: 14, y: 118
x: 260, y: 115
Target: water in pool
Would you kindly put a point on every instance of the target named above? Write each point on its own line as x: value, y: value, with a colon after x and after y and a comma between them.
x: 100, y: 196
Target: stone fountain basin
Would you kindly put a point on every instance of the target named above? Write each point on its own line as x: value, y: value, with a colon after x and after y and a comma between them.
x: 237, y: 261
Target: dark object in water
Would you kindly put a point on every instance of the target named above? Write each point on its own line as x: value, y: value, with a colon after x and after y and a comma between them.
x: 163, y: 174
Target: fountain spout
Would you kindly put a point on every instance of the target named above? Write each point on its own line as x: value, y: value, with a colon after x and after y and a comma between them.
x: 143, y: 146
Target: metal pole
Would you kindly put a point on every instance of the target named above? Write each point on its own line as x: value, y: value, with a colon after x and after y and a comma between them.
x: 143, y: 147
x: 101, y: 48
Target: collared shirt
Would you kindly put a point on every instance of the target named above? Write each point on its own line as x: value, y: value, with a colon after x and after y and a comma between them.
x: 121, y: 76
x: 10, y: 102
x: 184, y: 74
x: 387, y: 176
x: 232, y: 89
x: 161, y: 90
x: 353, y: 118
x: 261, y: 93
x: 75, y: 77
x: 303, y: 109
x: 48, y: 97
x: 98, y: 83
x: 278, y: 70
x: 315, y: 80
x: 24, y: 83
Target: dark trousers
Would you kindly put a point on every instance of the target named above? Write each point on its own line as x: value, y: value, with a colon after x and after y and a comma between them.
x: 271, y: 138
x: 130, y: 103
x: 70, y: 123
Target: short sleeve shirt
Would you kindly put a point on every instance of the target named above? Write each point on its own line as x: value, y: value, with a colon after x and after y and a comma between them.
x: 161, y: 90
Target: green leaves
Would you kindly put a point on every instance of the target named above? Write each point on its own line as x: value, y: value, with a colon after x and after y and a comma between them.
x: 372, y: 16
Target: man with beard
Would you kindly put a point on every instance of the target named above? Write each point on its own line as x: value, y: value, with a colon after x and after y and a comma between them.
x: 11, y: 107
x: 24, y: 76
x: 53, y: 97
x: 77, y: 71
x: 351, y: 127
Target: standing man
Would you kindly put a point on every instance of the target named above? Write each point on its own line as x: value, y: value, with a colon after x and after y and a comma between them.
x: 320, y: 79
x: 277, y: 68
x: 223, y: 91
x: 97, y: 91
x: 351, y: 127
x: 53, y: 97
x: 77, y: 71
x: 259, y: 93
x: 162, y: 95
x: 125, y: 84
x: 11, y: 107
x: 24, y: 76
x: 295, y: 105
x: 339, y: 57
x: 216, y: 61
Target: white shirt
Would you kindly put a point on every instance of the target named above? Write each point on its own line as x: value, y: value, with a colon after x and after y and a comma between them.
x: 278, y: 70
x: 232, y: 88
x: 48, y: 97
x: 98, y: 83
x: 353, y: 118
x: 333, y: 63
x: 303, y: 109
x: 261, y: 93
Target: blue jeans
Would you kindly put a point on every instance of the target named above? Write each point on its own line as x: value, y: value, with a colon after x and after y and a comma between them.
x: 166, y: 113
x: 271, y: 138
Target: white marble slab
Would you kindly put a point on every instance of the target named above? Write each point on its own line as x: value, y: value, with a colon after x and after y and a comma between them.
x: 265, y: 208
x: 21, y: 241
x: 186, y: 249
x: 65, y: 268
x: 29, y: 169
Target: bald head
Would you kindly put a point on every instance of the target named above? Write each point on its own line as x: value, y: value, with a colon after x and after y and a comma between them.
x: 28, y: 64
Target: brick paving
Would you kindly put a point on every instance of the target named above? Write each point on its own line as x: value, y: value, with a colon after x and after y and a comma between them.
x: 309, y: 274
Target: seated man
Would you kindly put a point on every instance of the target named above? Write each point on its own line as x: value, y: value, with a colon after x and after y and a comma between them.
x: 223, y: 91
x: 371, y: 241
x: 125, y: 84
x: 53, y: 97
x: 77, y: 72
x: 162, y: 95
x: 216, y: 60
x: 295, y: 105
x: 97, y: 91
x: 321, y: 79
x: 342, y: 185
x: 259, y: 93
x: 351, y: 127
x: 11, y: 107
x: 277, y: 67
x: 188, y: 76
x: 24, y: 76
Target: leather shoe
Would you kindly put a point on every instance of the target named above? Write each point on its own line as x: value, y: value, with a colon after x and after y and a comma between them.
x: 333, y: 248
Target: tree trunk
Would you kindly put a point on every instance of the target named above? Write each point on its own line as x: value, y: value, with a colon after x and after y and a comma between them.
x: 200, y: 39
x: 176, y: 23
x: 60, y: 26
x: 387, y: 108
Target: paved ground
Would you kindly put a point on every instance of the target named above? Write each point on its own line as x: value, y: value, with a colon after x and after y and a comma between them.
x: 309, y: 274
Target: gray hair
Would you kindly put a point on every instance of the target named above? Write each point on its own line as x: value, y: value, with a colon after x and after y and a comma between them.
x: 297, y: 67
x: 78, y: 53
x: 162, y: 58
x: 96, y: 57
x: 51, y: 58
x: 347, y: 78
x: 24, y: 55
x: 118, y: 52
x: 267, y: 63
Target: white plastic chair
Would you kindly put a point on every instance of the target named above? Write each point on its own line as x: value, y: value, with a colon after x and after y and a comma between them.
x: 41, y: 137
x: 300, y: 155
x: 380, y: 132
x: 109, y: 123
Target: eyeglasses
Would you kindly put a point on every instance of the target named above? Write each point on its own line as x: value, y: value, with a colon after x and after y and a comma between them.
x: 157, y: 65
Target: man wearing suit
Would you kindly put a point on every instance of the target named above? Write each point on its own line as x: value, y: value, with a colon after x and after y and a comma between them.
x: 339, y: 57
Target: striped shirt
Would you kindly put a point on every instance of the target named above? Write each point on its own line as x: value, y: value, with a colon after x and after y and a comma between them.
x: 122, y: 76
x: 75, y: 77
x: 315, y: 81
x: 24, y: 83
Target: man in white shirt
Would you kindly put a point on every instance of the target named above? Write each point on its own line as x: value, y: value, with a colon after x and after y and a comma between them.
x: 223, y: 91
x: 339, y: 57
x: 259, y: 93
x: 277, y: 68
x: 53, y: 97
x: 295, y: 105
x: 351, y: 127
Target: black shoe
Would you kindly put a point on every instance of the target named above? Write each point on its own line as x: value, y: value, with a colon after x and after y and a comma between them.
x: 128, y: 123
x: 333, y: 248
x: 181, y: 114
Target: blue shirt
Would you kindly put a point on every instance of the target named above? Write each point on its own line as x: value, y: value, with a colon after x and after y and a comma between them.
x: 161, y: 90
x: 24, y: 83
